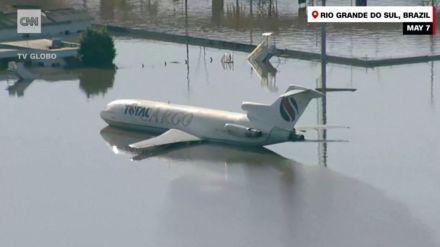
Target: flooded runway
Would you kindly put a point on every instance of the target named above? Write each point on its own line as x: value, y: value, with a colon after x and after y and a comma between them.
x: 68, y: 180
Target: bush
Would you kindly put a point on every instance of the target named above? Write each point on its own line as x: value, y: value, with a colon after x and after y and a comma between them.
x: 97, y: 48
x: 3, y: 64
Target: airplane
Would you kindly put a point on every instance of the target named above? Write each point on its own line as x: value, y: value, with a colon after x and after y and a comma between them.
x: 259, y: 125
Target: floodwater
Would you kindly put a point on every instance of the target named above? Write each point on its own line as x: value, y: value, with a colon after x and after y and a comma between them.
x: 68, y: 180
x: 245, y: 21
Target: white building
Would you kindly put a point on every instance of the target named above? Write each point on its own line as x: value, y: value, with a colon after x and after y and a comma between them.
x: 58, y: 22
x: 40, y: 52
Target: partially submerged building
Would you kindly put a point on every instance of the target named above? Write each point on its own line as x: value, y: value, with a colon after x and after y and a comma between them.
x: 42, y: 52
x: 47, y: 48
x: 57, y: 22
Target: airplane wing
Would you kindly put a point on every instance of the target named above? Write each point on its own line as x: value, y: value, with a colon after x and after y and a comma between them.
x: 172, y: 136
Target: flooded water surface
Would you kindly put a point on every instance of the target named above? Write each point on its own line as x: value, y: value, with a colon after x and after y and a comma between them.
x: 245, y: 21
x: 67, y: 179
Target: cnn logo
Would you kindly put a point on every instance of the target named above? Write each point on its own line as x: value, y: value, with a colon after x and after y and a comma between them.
x: 28, y: 20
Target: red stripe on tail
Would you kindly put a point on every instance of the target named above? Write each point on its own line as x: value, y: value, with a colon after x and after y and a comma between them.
x: 289, y: 109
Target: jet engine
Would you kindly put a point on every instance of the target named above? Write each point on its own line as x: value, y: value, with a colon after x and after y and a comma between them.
x: 242, y: 131
x: 296, y: 137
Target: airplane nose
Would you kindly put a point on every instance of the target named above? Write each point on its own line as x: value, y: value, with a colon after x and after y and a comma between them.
x: 104, y: 114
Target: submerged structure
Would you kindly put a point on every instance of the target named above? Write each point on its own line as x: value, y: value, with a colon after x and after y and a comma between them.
x: 56, y: 22
x: 42, y: 52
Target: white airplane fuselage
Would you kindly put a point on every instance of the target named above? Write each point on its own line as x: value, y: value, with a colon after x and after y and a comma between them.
x: 207, y: 124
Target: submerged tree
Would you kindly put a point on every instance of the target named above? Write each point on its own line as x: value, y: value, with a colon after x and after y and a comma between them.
x: 96, y: 81
x: 97, y: 48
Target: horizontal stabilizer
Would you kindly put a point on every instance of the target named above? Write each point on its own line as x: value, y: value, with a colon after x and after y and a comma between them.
x: 322, y: 140
x: 320, y: 127
x: 336, y: 89
x: 172, y: 136
x: 295, y: 87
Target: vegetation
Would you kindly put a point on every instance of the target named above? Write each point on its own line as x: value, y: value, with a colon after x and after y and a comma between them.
x: 97, y: 48
x: 3, y: 64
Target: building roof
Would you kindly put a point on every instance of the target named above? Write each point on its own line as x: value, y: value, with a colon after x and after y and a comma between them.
x: 37, y: 44
x: 48, y: 17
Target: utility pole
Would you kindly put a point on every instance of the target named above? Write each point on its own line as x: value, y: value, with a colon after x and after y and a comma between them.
x: 361, y: 2
x: 323, y: 52
x: 187, y: 46
x: 322, y: 102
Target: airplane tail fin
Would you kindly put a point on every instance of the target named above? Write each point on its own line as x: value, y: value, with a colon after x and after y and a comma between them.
x: 286, y: 110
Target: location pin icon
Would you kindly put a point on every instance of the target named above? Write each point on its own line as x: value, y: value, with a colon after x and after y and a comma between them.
x: 315, y: 14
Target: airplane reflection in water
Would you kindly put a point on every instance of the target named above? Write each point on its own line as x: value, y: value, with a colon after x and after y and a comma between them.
x: 119, y: 140
x: 256, y: 196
